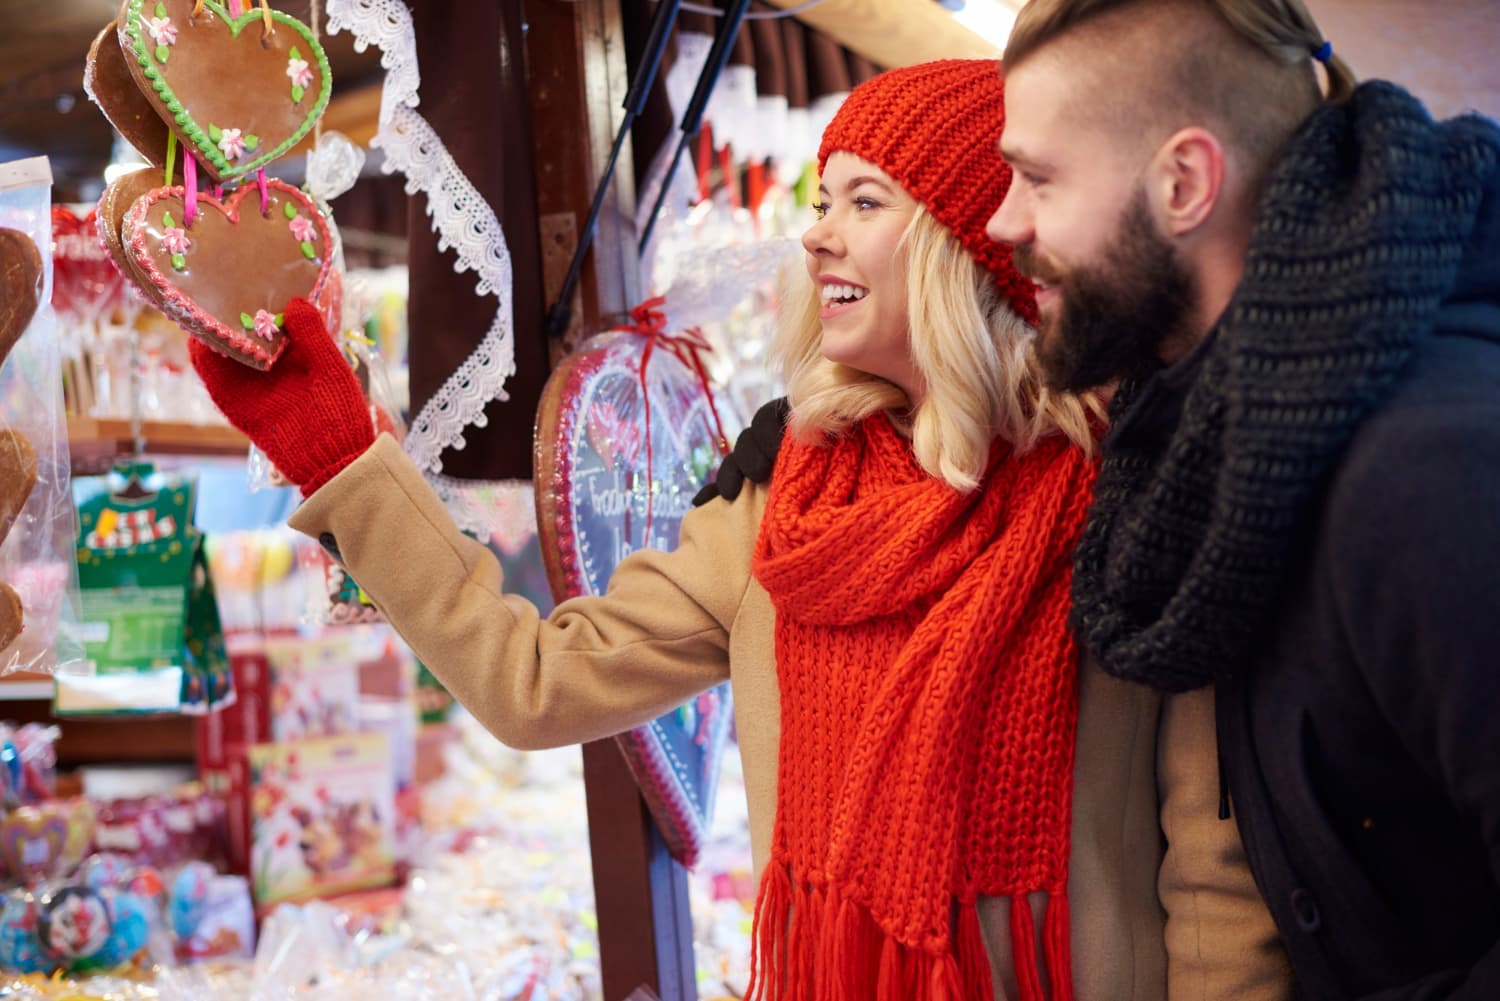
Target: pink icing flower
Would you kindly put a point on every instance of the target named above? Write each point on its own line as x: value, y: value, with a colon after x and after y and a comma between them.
x: 299, y: 72
x: 303, y: 229
x: 231, y: 144
x: 265, y: 325
x: 162, y: 31
x: 174, y: 238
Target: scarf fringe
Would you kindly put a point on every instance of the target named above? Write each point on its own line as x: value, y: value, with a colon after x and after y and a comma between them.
x: 810, y: 943
x: 1056, y: 947
x: 1023, y: 949
x: 767, y: 952
x: 1057, y: 929
x: 973, y: 957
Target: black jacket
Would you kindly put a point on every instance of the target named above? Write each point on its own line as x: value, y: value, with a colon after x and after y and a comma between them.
x: 1361, y: 752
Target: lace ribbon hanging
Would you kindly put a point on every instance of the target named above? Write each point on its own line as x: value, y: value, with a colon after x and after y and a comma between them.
x: 463, y: 220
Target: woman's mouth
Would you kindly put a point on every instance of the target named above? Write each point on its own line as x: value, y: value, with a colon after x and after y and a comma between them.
x: 838, y: 298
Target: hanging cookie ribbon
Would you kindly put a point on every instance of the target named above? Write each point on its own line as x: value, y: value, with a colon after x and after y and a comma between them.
x: 688, y: 346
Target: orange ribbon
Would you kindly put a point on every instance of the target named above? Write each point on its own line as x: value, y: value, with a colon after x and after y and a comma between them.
x: 688, y: 347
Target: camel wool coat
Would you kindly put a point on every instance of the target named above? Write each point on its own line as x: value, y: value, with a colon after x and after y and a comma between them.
x: 674, y: 624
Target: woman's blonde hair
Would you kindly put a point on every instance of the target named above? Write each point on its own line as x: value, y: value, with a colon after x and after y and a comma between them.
x: 970, y: 348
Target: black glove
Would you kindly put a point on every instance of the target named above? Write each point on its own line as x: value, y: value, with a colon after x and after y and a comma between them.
x: 754, y: 455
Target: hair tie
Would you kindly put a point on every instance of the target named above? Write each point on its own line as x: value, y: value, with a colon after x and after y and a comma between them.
x: 1324, y: 52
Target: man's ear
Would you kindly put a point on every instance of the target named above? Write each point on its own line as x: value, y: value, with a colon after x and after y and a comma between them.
x: 1186, y: 180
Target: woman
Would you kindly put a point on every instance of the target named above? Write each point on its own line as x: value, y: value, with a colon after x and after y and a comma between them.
x: 891, y: 609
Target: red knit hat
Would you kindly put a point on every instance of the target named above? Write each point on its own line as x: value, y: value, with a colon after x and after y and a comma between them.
x: 933, y: 128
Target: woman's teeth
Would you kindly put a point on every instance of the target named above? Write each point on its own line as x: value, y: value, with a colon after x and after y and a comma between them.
x: 844, y: 293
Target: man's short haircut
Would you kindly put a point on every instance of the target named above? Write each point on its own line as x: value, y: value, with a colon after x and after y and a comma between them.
x: 1244, y: 69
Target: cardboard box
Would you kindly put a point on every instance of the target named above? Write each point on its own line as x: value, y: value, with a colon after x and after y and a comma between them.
x: 315, y: 818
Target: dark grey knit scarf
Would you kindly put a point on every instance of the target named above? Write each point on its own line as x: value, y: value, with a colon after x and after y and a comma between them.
x: 1358, y: 240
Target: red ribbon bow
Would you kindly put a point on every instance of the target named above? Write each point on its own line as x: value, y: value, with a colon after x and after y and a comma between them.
x: 689, y: 347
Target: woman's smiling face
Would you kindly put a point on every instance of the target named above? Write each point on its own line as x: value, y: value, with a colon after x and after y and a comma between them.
x: 857, y: 264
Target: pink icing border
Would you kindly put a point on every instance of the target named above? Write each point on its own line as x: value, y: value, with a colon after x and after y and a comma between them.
x: 182, y: 309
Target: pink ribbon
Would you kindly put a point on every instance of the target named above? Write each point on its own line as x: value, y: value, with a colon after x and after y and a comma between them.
x: 190, y: 198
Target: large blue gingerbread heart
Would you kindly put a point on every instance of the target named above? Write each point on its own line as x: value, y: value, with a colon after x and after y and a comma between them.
x: 602, y: 494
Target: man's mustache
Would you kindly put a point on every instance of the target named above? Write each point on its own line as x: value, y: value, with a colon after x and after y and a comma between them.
x: 1036, y: 267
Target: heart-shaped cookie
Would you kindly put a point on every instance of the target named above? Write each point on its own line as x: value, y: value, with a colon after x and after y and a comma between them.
x: 227, y: 277
x: 17, y: 476
x: 119, y: 195
x: 109, y: 84
x: 10, y: 615
x: 238, y: 96
x: 32, y: 841
x: 602, y: 494
x: 20, y: 286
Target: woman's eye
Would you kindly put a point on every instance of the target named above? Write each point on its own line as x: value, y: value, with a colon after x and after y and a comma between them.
x: 866, y: 203
x: 820, y: 209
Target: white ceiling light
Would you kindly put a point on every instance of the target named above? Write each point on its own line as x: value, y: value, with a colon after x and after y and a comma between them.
x: 989, y: 19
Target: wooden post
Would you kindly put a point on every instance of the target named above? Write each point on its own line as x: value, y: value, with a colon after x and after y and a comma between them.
x: 474, y: 94
x: 640, y: 892
x: 578, y: 80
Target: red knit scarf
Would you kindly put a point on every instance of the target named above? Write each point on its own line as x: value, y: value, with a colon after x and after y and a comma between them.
x: 928, y: 710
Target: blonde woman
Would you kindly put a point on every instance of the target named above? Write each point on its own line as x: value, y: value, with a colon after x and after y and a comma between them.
x: 891, y: 609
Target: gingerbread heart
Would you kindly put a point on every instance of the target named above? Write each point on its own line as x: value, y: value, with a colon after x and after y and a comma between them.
x: 20, y: 286
x: 596, y: 484
x: 33, y: 840
x: 109, y: 216
x: 227, y: 276
x: 17, y: 477
x: 10, y: 615
x: 108, y: 83
x: 237, y: 95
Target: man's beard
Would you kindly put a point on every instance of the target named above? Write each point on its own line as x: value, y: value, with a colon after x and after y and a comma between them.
x: 1113, y: 317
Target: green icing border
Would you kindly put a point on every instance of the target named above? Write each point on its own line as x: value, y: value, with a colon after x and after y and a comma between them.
x: 194, y: 132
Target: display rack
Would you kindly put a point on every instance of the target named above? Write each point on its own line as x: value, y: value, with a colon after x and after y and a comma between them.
x: 95, y: 443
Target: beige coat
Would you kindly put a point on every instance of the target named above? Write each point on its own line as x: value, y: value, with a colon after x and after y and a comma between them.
x: 674, y: 624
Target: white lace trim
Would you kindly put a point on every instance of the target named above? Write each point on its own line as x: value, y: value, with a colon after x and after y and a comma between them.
x: 462, y: 219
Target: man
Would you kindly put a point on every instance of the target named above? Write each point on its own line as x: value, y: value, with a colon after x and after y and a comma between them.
x: 1298, y: 515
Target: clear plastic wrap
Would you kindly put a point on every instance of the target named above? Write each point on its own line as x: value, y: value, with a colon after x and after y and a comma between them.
x: 28, y: 764
x: 38, y: 576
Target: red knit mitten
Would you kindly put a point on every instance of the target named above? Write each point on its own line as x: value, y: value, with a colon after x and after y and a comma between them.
x: 307, y: 413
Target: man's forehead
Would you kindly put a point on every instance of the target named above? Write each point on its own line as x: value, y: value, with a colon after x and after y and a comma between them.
x: 1055, y: 101
x: 1034, y: 106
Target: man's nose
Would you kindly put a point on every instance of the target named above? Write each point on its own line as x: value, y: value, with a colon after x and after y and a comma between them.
x: 1011, y: 222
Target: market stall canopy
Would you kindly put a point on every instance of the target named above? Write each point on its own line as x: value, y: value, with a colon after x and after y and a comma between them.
x: 1443, y: 51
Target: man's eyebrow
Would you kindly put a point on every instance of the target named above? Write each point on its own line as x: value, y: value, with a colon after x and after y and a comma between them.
x: 1017, y: 157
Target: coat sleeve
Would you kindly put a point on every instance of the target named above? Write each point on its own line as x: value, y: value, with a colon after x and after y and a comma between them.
x: 596, y: 666
x: 1416, y: 548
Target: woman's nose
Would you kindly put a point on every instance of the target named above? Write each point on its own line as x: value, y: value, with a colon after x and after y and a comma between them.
x: 821, y: 238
